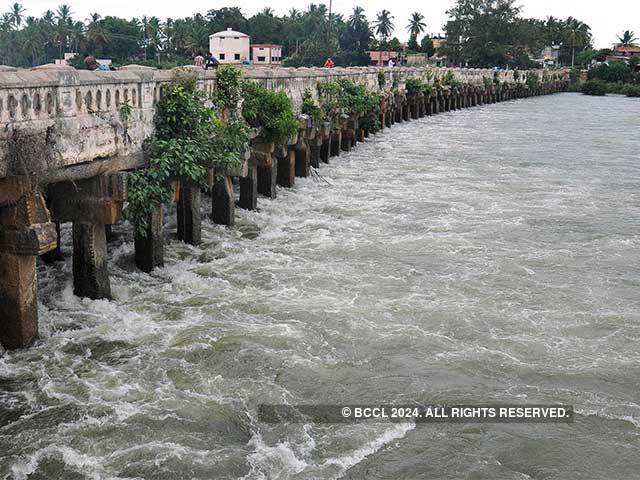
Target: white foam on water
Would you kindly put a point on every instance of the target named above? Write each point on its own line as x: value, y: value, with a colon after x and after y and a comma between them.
x: 347, y: 461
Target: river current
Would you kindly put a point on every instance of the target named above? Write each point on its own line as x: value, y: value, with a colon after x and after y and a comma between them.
x: 489, y: 255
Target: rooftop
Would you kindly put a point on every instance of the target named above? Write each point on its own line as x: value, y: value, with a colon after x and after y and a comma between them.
x: 229, y: 33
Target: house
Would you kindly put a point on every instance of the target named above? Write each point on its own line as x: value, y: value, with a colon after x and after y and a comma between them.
x: 266, y: 54
x: 626, y: 50
x: 550, y: 55
x: 229, y: 46
x: 381, y: 59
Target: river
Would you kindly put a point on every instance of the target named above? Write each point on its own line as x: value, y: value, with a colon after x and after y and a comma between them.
x: 484, y: 255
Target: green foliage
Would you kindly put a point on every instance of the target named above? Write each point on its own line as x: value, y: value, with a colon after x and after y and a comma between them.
x: 413, y: 86
x: 125, y: 110
x: 594, y: 87
x: 532, y: 81
x: 427, y: 47
x: 346, y: 96
x: 493, y: 33
x: 612, y: 72
x: 269, y: 110
x: 189, y: 139
x: 228, y: 87
x: 311, y: 108
x: 382, y: 80
x: 631, y: 90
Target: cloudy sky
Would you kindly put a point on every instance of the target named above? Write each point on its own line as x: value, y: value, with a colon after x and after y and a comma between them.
x: 607, y: 19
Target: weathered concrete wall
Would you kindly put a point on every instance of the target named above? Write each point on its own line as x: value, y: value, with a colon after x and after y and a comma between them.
x: 58, y: 117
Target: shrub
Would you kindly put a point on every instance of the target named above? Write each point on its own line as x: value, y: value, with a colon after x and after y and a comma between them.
x: 413, y: 86
x: 612, y: 72
x: 269, y: 110
x: 631, y: 90
x: 382, y: 80
x: 594, y: 87
x: 189, y: 138
x: 309, y: 107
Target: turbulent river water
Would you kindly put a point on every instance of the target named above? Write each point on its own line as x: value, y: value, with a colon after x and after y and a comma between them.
x: 484, y: 255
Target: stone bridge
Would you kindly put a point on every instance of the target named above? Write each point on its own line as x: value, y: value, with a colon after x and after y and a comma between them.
x: 68, y: 137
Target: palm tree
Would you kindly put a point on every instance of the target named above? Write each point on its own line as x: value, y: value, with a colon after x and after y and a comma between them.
x: 416, y: 25
x: 579, y: 34
x: 384, y: 24
x: 357, y: 17
x: 627, y: 38
x: 294, y: 14
x: 16, y: 14
x: 64, y: 26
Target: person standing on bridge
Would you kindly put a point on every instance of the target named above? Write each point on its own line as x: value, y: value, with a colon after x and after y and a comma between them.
x: 329, y: 63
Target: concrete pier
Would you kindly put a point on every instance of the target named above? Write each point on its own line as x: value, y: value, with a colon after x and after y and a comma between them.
x: 90, y: 268
x: 188, y: 210
x: 89, y: 204
x: 26, y: 231
x: 149, y: 251
x: 268, y: 178
x: 286, y: 165
x: 303, y: 156
x: 223, y: 203
x: 249, y: 188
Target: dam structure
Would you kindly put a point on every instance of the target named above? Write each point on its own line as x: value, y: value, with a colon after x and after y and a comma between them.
x: 67, y: 144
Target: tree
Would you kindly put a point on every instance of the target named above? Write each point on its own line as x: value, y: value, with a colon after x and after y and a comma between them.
x: 412, y: 44
x: 427, y: 46
x: 384, y: 25
x: 16, y: 14
x: 579, y: 35
x: 416, y: 25
x: 627, y: 38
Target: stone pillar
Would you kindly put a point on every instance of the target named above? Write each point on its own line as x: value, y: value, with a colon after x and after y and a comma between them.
x: 315, y: 147
x: 268, y: 177
x: 54, y: 255
x: 262, y: 156
x: 90, y: 269
x: 25, y: 232
x: 249, y: 188
x: 149, y: 250
x: 18, y: 300
x: 286, y: 166
x: 223, y: 202
x: 325, y: 149
x: 189, y: 219
x: 90, y: 204
x: 336, y: 141
x: 303, y: 158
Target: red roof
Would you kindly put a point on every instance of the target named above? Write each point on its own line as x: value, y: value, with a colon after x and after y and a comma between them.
x: 627, y: 49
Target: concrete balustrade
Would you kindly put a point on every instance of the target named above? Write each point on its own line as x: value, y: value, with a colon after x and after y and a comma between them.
x: 72, y: 135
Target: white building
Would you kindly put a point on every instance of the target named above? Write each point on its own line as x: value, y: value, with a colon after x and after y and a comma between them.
x: 229, y: 46
x: 266, y: 53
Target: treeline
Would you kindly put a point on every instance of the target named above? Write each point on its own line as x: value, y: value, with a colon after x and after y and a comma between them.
x: 492, y: 32
x: 479, y: 33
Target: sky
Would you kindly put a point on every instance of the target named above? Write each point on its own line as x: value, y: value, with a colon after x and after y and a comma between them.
x: 607, y: 19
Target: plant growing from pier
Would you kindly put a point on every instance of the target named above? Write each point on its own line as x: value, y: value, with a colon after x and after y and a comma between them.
x: 347, y: 96
x: 190, y: 138
x: 532, y: 80
x: 382, y: 80
x: 228, y: 90
x: 270, y: 111
x: 311, y: 108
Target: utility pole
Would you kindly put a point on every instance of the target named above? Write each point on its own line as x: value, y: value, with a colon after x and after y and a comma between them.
x: 329, y: 29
